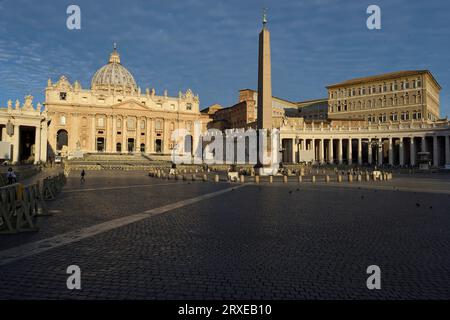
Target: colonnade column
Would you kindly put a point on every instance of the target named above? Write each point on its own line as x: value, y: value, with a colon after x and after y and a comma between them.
x: 401, y: 152
x: 359, y: 151
x: 330, y: 151
x: 447, y: 150
x: 369, y: 151
x: 321, y: 150
x: 44, y: 135
x: 349, y: 151
x: 391, y: 152
x: 15, y: 140
x: 435, y: 151
x: 313, y: 145
x: 412, y: 152
x: 37, y: 144
x: 340, y: 151
x: 294, y: 149
x: 380, y: 151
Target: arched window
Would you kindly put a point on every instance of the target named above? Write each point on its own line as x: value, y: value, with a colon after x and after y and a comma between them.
x: 142, y: 124
x: 142, y: 147
x: 62, y: 139
x: 118, y: 147
x: 62, y: 120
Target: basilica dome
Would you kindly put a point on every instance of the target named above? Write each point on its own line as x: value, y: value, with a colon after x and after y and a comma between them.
x: 114, y: 76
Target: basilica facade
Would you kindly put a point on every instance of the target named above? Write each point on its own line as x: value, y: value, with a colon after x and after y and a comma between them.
x: 114, y: 115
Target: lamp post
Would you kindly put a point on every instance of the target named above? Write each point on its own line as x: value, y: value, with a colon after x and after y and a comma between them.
x: 378, y: 146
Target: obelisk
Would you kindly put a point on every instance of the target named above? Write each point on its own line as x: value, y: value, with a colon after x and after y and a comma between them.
x: 264, y: 118
x: 264, y: 79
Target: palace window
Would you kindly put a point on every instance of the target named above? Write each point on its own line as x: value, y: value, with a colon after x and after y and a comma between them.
x: 62, y: 120
x: 189, y: 106
x: 101, y: 122
x: 172, y: 106
x: 394, y: 117
x: 419, y: 83
x: 406, y: 85
x: 62, y: 95
x: 159, y: 105
x: 142, y: 124
x: 119, y: 123
x: 384, y: 87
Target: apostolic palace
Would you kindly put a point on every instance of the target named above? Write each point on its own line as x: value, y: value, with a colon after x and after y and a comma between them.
x: 391, y: 118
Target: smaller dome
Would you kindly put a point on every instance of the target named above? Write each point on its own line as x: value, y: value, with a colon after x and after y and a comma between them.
x: 113, y: 75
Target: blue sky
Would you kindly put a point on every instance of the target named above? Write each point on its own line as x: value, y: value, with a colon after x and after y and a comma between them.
x: 211, y: 46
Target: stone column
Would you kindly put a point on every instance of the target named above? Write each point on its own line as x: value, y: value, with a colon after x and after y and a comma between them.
x: 148, y: 133
x: 15, y: 142
x: 313, y: 145
x: 321, y: 150
x: 124, y: 135
x: 137, y: 139
x: 349, y: 151
x: 340, y: 151
x: 412, y: 152
x: 447, y: 150
x: 93, y: 140
x: 391, y: 152
x: 74, y: 133
x: 114, y: 133
x: 401, y: 152
x: 44, y: 135
x: 380, y: 151
x: 37, y: 144
x: 330, y: 151
x: 294, y: 149
x: 369, y: 151
x: 359, y: 151
x: 435, y: 151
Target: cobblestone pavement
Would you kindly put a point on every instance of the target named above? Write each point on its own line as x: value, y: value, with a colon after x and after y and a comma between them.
x: 280, y: 241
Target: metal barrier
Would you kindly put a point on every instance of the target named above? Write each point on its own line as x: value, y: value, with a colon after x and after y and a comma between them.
x: 20, y: 204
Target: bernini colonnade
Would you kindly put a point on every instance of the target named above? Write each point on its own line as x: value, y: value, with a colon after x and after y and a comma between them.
x: 389, y: 144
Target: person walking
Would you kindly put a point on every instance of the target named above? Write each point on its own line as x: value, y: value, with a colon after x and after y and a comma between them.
x: 83, y: 173
x: 11, y: 176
